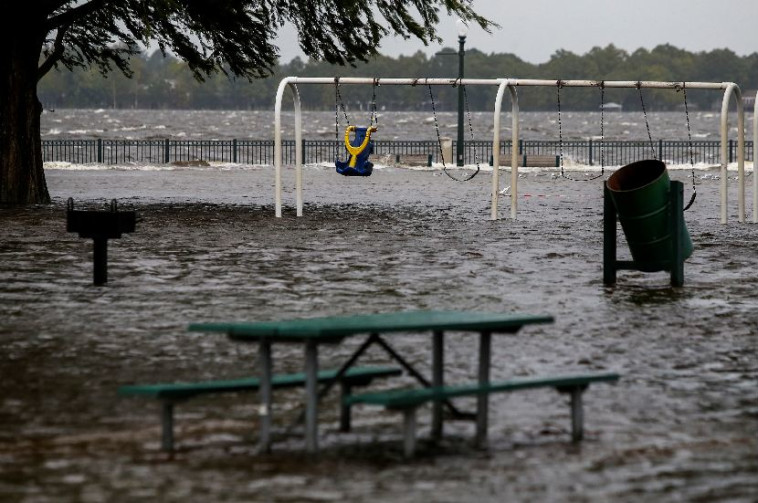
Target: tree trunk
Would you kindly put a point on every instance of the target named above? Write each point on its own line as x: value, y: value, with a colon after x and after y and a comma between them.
x: 22, y: 174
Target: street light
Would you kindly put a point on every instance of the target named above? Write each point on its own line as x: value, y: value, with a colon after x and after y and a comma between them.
x: 462, y: 31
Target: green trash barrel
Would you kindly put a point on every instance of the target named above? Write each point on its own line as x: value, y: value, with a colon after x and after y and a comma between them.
x: 640, y: 193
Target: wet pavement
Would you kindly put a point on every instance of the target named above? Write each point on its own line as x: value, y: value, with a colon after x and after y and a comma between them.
x: 681, y: 425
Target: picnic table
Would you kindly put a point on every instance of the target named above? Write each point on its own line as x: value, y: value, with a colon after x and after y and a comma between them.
x: 312, y: 332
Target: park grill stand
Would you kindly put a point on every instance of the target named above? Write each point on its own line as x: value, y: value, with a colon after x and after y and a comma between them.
x: 100, y: 226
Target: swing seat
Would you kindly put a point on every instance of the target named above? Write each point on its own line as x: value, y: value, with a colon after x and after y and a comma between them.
x: 343, y: 168
x: 357, y: 165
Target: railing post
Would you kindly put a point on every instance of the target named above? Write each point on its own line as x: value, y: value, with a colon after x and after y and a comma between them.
x: 731, y: 151
x: 590, y: 156
x: 660, y: 150
x: 304, y: 153
x: 165, y: 152
x: 99, y: 150
x: 234, y: 150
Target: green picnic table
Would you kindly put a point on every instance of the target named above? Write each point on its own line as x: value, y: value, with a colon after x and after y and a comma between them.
x: 331, y: 330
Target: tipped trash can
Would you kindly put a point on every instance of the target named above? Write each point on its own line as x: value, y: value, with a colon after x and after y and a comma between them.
x: 640, y: 193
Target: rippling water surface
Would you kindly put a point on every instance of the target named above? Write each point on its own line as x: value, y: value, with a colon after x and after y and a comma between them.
x: 393, y: 125
x: 681, y: 425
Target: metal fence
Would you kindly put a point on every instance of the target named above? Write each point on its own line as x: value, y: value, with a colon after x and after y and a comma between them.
x: 586, y: 152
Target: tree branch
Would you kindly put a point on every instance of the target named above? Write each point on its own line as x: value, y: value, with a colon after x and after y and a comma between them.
x: 70, y: 16
x: 56, y: 53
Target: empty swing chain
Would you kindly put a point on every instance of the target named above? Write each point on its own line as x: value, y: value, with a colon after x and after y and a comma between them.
x: 602, y: 127
x: 439, y: 139
x: 373, y: 120
x: 471, y: 132
x: 689, y: 146
x: 647, y: 122
x: 338, y: 103
x: 559, y: 85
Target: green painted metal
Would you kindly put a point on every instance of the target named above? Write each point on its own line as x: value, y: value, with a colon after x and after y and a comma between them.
x: 334, y: 328
x: 408, y: 398
x: 355, y: 376
x: 640, y: 194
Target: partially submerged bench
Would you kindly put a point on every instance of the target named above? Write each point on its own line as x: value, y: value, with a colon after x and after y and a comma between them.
x: 408, y: 400
x: 531, y: 161
x: 171, y: 393
x: 414, y: 159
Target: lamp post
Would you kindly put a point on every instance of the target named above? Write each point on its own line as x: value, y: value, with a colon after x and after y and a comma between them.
x: 462, y: 31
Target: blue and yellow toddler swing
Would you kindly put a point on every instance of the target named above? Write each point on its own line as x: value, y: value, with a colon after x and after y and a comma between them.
x: 359, y: 147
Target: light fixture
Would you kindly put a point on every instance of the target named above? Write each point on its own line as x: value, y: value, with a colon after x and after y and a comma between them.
x: 462, y: 28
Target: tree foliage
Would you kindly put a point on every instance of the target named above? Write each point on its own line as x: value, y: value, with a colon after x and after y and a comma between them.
x: 231, y: 37
x: 235, y: 37
x: 160, y: 82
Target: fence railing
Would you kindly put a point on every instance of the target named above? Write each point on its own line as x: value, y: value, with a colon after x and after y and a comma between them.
x: 584, y: 152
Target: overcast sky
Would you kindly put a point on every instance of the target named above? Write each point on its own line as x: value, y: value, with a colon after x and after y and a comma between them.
x: 535, y: 29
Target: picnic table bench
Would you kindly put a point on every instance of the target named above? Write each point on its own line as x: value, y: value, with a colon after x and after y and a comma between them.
x: 379, y: 327
x: 170, y: 394
x: 408, y: 400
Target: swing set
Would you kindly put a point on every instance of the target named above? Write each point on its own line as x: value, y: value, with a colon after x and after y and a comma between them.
x: 358, y: 139
x: 359, y: 145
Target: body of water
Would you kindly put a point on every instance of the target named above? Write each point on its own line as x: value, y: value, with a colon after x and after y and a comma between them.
x: 224, y: 125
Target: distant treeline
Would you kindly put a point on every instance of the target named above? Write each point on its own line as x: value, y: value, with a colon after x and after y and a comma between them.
x: 165, y: 82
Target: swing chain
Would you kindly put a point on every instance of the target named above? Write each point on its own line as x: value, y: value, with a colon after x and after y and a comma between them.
x: 647, y: 122
x: 436, y: 128
x: 373, y: 119
x: 471, y: 133
x: 559, y: 85
x: 338, y: 103
x: 689, y: 145
x: 439, y: 138
x: 601, y: 85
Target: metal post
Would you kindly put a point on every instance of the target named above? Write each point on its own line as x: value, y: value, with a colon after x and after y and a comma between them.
x: 265, y: 395
x: 100, y: 274
x: 438, y: 363
x: 167, y: 422
x: 577, y: 415
x: 311, y: 397
x: 409, y: 432
x: 482, y: 400
x: 459, y: 146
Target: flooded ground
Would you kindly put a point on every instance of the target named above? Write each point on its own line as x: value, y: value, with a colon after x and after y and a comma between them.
x: 681, y: 425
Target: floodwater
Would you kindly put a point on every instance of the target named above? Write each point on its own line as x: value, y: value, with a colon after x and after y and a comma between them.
x: 681, y: 425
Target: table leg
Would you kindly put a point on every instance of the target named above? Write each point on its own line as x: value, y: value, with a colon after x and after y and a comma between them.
x: 265, y: 393
x: 482, y: 401
x: 438, y: 366
x: 311, y: 396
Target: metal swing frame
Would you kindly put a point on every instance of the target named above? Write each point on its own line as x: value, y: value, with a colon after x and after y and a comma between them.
x: 730, y: 89
x: 292, y: 83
